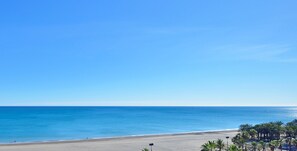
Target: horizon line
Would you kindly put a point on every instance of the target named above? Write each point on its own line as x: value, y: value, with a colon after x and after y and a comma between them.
x: 148, y: 105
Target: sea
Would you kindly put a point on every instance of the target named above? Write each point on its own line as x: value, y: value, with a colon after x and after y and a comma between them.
x: 37, y: 124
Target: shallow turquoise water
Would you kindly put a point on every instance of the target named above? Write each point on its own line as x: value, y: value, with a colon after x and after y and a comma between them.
x: 23, y: 124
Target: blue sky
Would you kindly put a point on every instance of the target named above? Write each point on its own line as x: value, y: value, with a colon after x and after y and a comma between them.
x: 153, y: 52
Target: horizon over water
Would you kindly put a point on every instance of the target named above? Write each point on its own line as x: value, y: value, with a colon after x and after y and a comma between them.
x: 51, y: 123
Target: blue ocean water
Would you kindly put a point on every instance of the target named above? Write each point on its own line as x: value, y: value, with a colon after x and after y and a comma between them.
x: 25, y: 124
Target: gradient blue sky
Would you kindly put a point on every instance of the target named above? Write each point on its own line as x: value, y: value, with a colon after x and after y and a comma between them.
x: 156, y: 52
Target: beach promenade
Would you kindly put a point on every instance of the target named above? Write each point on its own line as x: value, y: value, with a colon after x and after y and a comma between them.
x: 170, y: 142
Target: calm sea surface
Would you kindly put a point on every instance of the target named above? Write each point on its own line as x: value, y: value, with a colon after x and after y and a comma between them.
x: 24, y: 124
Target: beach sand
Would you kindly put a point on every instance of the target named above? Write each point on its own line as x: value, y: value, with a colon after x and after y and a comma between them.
x: 168, y: 142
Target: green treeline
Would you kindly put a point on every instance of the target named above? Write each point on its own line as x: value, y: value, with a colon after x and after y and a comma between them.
x: 260, y: 137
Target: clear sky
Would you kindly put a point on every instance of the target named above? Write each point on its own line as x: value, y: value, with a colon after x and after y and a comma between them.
x: 154, y: 52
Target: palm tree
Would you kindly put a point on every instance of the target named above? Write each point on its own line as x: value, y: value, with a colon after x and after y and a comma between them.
x: 289, y: 142
x: 294, y: 142
x: 245, y: 135
x: 145, y: 149
x: 209, y: 146
x: 254, y: 146
x: 233, y: 148
x: 220, y: 144
x: 260, y: 129
x: 212, y: 145
x: 245, y: 127
x: 263, y: 145
x: 274, y: 144
x: 239, y: 140
x: 259, y: 147
x: 281, y: 143
x: 279, y: 129
x: 253, y: 133
x: 205, y: 147
x: 291, y: 128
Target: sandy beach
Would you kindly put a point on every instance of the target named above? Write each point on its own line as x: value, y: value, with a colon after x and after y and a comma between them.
x: 169, y: 142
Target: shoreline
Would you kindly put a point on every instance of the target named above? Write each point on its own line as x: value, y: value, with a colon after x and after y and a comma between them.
x: 102, y: 139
